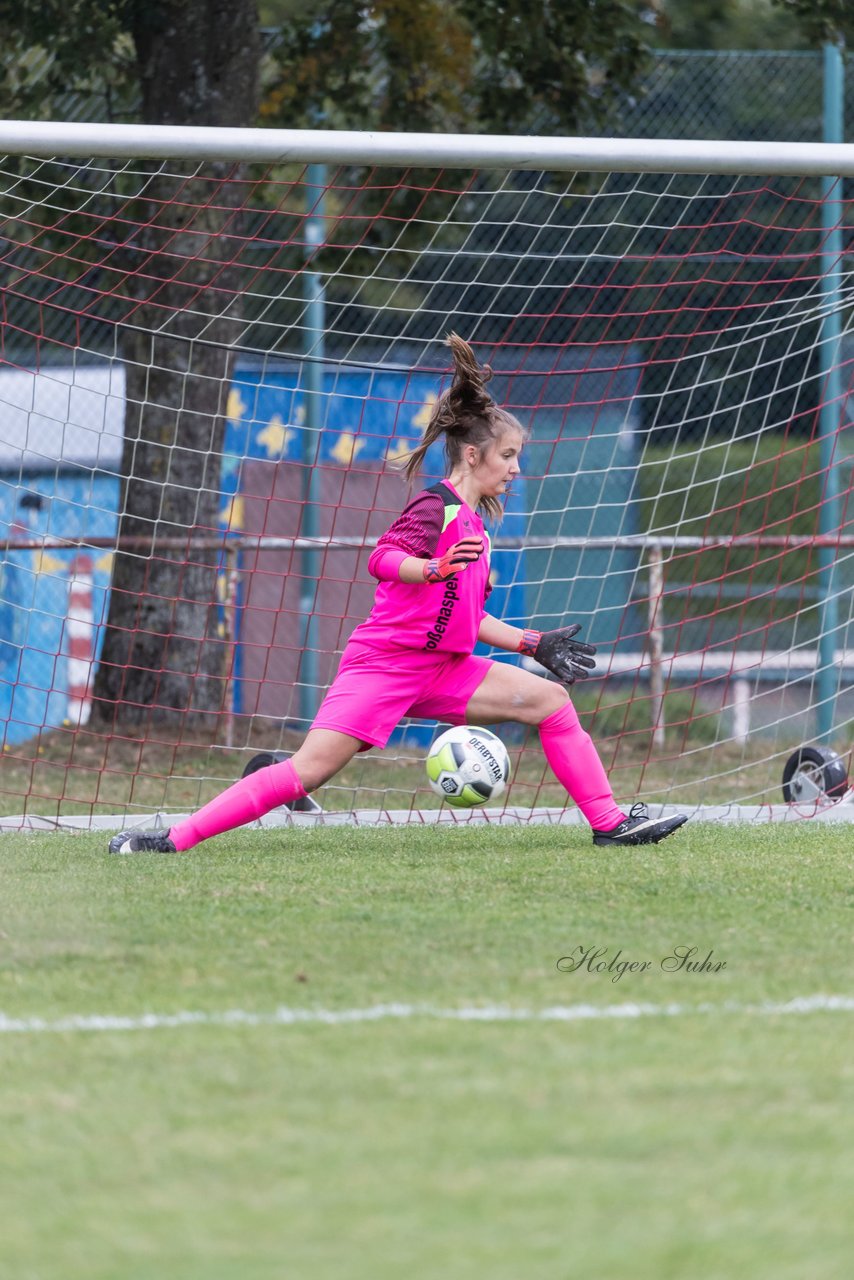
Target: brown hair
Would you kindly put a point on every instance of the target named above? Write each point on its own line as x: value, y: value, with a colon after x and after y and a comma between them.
x: 464, y: 414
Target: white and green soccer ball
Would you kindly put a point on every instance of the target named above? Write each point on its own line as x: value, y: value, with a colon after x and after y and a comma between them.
x: 468, y: 766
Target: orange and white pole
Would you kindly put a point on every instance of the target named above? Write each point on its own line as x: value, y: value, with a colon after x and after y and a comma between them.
x: 80, y: 639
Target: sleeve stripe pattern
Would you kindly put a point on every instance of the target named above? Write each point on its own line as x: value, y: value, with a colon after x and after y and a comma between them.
x: 417, y: 529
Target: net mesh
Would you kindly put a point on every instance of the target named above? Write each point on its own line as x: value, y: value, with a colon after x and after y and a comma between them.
x: 209, y: 375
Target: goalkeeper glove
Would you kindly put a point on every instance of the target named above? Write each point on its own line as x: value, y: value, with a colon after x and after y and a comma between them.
x: 566, y: 658
x: 454, y: 560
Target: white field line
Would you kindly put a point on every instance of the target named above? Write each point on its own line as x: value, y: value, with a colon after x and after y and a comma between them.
x: 286, y: 1017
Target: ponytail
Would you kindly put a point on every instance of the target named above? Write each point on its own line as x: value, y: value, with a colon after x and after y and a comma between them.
x: 468, y: 392
x: 463, y: 414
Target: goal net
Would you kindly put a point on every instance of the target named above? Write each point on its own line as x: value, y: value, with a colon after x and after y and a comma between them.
x: 212, y: 369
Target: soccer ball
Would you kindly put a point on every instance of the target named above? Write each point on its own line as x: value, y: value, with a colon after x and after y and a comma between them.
x: 468, y: 766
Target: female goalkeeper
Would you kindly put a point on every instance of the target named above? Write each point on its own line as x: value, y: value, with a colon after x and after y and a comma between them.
x: 413, y: 655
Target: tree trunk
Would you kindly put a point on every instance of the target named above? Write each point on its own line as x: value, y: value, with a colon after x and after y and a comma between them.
x: 162, y: 659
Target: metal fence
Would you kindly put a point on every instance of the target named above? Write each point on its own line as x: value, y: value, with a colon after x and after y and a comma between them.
x: 734, y: 95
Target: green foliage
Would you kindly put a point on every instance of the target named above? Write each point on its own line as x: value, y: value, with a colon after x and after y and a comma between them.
x: 698, y: 24
x: 724, y: 487
x: 752, y: 24
x: 687, y: 725
x: 726, y: 24
x: 428, y: 64
x: 52, y: 48
x: 822, y: 21
x: 391, y: 64
x: 771, y: 485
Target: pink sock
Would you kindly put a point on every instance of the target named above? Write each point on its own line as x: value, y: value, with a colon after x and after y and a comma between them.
x: 576, y: 764
x: 248, y: 799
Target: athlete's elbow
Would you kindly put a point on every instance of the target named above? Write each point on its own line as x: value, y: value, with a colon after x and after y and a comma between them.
x: 374, y: 563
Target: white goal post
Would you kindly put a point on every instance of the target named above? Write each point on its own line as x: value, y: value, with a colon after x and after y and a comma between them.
x: 669, y: 319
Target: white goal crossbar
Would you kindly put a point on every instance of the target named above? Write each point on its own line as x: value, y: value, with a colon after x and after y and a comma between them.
x: 438, y: 150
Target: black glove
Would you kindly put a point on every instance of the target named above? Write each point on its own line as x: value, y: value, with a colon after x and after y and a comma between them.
x: 568, y: 659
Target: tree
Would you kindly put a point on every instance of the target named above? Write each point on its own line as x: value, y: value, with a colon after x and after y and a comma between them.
x: 751, y: 24
x: 822, y: 21
x: 191, y: 62
x: 458, y: 65
x: 724, y: 25
x: 160, y: 652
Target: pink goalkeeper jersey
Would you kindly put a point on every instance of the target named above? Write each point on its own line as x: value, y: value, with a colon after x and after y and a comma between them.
x: 442, y: 617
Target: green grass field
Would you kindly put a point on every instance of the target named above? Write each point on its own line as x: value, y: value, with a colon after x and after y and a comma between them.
x: 711, y: 1141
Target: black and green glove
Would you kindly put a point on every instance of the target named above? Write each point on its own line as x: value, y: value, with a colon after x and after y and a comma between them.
x: 558, y: 652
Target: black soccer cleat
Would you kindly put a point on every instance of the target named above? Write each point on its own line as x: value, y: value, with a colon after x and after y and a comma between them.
x: 142, y: 842
x: 640, y: 828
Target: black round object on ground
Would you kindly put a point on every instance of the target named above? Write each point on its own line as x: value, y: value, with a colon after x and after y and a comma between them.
x: 812, y: 773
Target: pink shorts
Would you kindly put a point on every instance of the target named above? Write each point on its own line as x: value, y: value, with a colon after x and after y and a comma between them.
x: 375, y: 688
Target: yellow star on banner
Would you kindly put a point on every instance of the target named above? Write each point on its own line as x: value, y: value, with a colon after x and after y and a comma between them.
x: 347, y: 448
x: 275, y: 437
x: 398, y: 450
x: 44, y: 562
x: 104, y: 563
x: 232, y: 514
x: 235, y: 407
x: 424, y: 414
